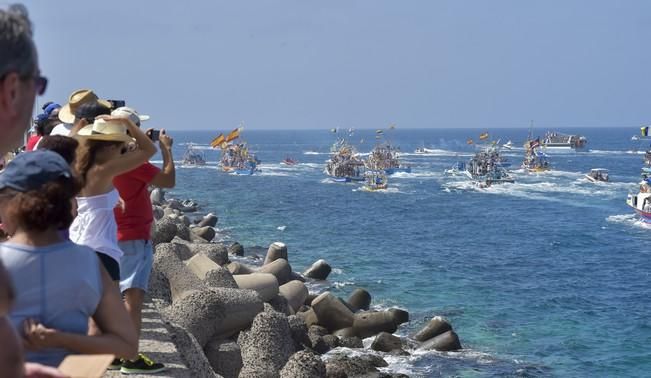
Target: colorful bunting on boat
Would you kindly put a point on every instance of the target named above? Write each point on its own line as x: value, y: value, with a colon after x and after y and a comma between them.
x: 534, y: 143
x: 483, y: 136
x: 217, y: 141
x: 644, y: 130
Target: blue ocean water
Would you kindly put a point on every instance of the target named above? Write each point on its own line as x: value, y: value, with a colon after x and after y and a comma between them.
x: 548, y: 276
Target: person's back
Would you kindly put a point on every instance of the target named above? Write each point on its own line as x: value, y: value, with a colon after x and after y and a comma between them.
x: 60, y: 286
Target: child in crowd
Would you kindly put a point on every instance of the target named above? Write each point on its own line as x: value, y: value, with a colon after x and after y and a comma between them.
x: 58, y: 285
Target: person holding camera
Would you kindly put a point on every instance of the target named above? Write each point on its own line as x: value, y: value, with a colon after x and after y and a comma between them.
x: 134, y: 231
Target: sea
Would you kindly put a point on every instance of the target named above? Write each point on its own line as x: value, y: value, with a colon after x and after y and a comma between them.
x: 548, y: 276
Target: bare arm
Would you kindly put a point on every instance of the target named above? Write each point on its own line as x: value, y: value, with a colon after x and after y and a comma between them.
x: 76, y: 127
x: 145, y: 149
x: 167, y: 177
x: 118, y: 336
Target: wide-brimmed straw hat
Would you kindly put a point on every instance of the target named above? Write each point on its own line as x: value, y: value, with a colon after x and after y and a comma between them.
x: 78, y: 97
x: 108, y: 131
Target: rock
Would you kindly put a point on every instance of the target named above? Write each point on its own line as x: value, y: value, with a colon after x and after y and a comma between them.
x: 158, y: 212
x: 206, y: 233
x: 178, y: 240
x: 236, y: 249
x: 241, y: 306
x: 318, y: 271
x: 309, y: 317
x: 186, y: 207
x: 279, y: 268
x: 164, y: 231
x: 157, y: 196
x: 331, y: 341
x: 168, y: 212
x: 298, y: 329
x: 304, y: 364
x: 185, y: 220
x: 444, y: 342
x: 190, y: 350
x: 210, y: 273
x: 340, y: 365
x: 239, y: 268
x: 351, y: 342
x: 201, y: 313
x: 399, y: 316
x: 181, y: 279
x: 279, y: 303
x: 220, y: 278
x: 435, y: 327
x: 183, y: 231
x: 310, y: 298
x: 386, y: 342
x: 317, y: 330
x: 225, y: 357
x: 215, y: 252
x: 316, y: 335
x: 196, y: 239
x: 331, y: 313
x: 345, y: 332
x: 267, y: 346
x: 276, y: 251
x: 209, y: 220
x: 370, y: 323
x: 295, y: 292
x: 359, y: 299
x: 265, y: 284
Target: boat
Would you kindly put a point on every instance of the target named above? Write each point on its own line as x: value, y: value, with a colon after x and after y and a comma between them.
x: 344, y: 165
x: 508, y: 145
x: 235, y: 157
x: 457, y: 169
x: 485, y: 168
x: 192, y: 156
x: 289, y: 161
x: 641, y: 202
x: 597, y: 175
x: 555, y: 141
x: 423, y: 150
x: 386, y: 158
x: 534, y: 159
x: 375, y: 180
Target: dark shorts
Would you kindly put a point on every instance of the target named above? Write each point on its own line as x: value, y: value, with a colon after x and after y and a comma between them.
x: 111, y: 266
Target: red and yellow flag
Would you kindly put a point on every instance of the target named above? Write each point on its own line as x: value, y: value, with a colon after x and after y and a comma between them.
x: 234, y: 134
x: 217, y: 141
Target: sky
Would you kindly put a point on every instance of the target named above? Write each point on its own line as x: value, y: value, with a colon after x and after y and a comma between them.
x: 303, y: 64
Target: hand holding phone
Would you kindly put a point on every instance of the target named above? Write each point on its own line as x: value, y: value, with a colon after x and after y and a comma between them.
x: 153, y: 134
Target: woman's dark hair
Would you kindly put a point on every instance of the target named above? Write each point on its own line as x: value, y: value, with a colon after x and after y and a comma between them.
x: 90, y: 110
x: 50, y: 206
x: 86, y: 155
x: 63, y: 145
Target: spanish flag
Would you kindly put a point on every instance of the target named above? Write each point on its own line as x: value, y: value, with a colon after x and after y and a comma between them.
x: 234, y: 134
x: 483, y: 136
x: 217, y: 141
x: 644, y: 130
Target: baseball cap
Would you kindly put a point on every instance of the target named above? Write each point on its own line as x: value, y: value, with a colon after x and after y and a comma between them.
x: 31, y: 170
x: 132, y: 114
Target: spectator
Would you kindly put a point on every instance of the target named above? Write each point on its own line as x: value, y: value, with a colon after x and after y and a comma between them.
x: 134, y: 228
x: 36, y: 190
x: 43, y: 125
x: 67, y: 112
x: 64, y: 146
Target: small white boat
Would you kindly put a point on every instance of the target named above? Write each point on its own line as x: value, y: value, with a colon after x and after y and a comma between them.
x: 597, y: 175
x: 423, y: 150
x: 508, y: 145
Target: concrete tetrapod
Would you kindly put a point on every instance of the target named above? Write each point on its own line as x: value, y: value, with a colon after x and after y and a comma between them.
x: 386, y: 342
x: 435, y: 327
x: 265, y: 284
x: 370, y: 323
x: 304, y: 364
x: 200, y: 313
x: 207, y: 233
x: 318, y: 271
x: 331, y: 313
x: 239, y: 268
x: 209, y: 272
x: 181, y: 279
x: 359, y: 299
x: 276, y: 251
x: 295, y: 292
x: 241, y: 306
x: 444, y: 342
x: 209, y: 220
x: 225, y: 357
x: 279, y: 268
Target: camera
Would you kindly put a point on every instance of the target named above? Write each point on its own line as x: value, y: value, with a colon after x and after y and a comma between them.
x: 154, y: 135
x: 117, y: 104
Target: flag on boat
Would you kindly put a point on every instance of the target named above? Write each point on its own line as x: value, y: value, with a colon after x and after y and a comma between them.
x: 217, y: 141
x: 234, y: 134
x: 483, y: 136
x: 534, y: 143
x: 644, y: 130
x: 470, y: 141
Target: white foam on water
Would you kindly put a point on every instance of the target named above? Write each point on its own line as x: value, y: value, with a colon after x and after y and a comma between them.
x: 416, y: 175
x: 281, y: 228
x: 315, y: 153
x: 631, y: 220
x: 611, y: 152
x: 437, y: 152
x: 389, y: 190
x: 337, y: 271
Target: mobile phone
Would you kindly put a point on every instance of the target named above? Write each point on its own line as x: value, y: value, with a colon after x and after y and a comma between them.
x: 117, y: 103
x: 154, y: 135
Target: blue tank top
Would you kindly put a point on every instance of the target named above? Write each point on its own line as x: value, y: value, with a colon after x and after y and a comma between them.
x: 59, y: 285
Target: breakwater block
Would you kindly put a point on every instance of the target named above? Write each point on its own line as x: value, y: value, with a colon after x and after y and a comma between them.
x: 236, y: 249
x: 331, y: 312
x: 239, y: 268
x: 370, y: 323
x: 265, y: 284
x: 279, y: 268
x: 210, y: 272
x: 295, y: 292
x: 359, y: 299
x: 225, y: 357
x: 209, y: 220
x: 436, y: 326
x: 318, y: 271
x: 180, y: 278
x: 386, y: 342
x: 206, y: 233
x: 200, y: 312
x: 447, y: 341
x: 276, y: 251
x: 304, y: 364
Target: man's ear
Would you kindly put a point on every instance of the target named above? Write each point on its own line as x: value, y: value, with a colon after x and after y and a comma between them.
x: 9, y: 88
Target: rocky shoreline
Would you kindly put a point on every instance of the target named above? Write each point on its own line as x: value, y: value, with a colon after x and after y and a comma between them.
x: 234, y: 319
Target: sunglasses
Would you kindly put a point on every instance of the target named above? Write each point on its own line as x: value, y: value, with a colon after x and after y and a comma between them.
x: 40, y: 82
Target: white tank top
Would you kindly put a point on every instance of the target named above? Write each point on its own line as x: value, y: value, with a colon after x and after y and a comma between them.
x: 95, y: 225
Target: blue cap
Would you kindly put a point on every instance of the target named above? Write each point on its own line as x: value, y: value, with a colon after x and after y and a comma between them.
x: 50, y: 108
x: 31, y: 170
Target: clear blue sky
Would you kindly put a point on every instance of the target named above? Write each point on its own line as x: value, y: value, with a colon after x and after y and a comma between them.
x: 364, y: 64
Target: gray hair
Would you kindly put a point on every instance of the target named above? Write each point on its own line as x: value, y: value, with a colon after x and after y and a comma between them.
x: 18, y: 51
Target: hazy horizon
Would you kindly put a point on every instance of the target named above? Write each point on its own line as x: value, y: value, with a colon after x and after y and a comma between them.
x: 360, y: 64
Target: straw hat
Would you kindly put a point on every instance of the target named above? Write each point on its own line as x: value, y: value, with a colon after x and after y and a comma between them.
x: 78, y: 97
x: 108, y: 131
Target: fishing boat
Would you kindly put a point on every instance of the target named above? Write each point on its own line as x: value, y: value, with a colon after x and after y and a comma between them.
x: 375, y: 180
x: 289, y: 161
x: 235, y: 157
x: 344, y: 165
x: 457, y: 169
x: 555, y: 141
x: 508, y: 145
x: 597, y: 175
x: 485, y: 168
x: 386, y: 158
x: 192, y: 156
x: 641, y: 202
x: 534, y: 159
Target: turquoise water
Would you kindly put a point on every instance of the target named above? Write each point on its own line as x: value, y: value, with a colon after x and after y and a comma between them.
x: 545, y: 277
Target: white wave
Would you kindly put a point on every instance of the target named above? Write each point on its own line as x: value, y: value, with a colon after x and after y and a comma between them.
x: 281, y: 228
x: 315, y: 153
x: 437, y: 152
x: 199, y: 146
x: 416, y: 175
x: 616, y: 152
x: 629, y: 220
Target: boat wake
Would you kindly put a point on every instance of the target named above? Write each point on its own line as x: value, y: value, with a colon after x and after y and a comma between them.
x: 315, y: 153
x: 630, y: 220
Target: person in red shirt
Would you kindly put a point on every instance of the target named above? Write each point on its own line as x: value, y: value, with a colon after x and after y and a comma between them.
x: 134, y: 233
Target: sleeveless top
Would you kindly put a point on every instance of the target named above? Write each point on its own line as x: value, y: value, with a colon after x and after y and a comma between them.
x: 95, y: 225
x: 59, y: 285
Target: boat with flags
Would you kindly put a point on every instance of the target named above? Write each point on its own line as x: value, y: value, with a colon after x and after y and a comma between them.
x: 193, y: 156
x: 535, y: 160
x: 344, y: 164
x: 375, y: 180
x: 487, y: 166
x: 641, y: 201
x: 384, y: 156
x: 555, y: 141
x: 235, y: 157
